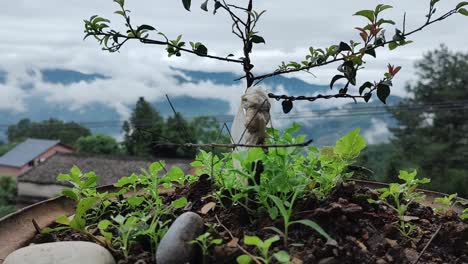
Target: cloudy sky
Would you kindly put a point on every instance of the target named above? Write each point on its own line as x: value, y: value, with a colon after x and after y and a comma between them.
x: 49, y: 34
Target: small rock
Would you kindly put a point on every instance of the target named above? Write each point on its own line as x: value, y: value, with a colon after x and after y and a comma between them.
x: 411, y: 254
x: 174, y: 247
x: 69, y: 252
x: 392, y: 243
x: 381, y: 261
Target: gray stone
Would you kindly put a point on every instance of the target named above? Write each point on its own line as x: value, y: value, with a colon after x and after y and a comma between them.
x: 174, y: 247
x: 71, y: 252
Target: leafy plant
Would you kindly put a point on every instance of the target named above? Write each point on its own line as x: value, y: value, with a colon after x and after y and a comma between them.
x: 400, y: 196
x: 264, y: 248
x: 205, y: 241
x: 123, y: 216
x: 447, y: 203
x: 286, y: 209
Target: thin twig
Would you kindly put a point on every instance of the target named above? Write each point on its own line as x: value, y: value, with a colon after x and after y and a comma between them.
x: 427, y: 245
x: 36, y: 226
x: 215, y: 145
x: 279, y: 72
x: 237, y: 244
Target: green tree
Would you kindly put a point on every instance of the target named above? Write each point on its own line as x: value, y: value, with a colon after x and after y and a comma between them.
x: 4, y: 148
x: 7, y: 195
x: 66, y: 132
x: 143, y: 130
x: 433, y: 125
x: 98, y: 144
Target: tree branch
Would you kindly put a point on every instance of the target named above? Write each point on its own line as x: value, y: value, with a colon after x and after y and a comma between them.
x: 279, y: 72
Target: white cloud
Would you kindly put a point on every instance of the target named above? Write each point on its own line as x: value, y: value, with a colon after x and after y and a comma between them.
x: 378, y: 133
x: 48, y: 34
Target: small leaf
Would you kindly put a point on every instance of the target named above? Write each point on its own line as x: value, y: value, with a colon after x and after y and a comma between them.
x: 179, y: 203
x: 145, y: 27
x: 103, y: 224
x: 287, y: 106
x: 120, y: 2
x: 316, y: 227
x: 244, y: 259
x: 371, y: 52
x: 461, y: 4
x: 334, y: 79
x: 207, y: 207
x: 344, y: 47
x: 367, y: 97
x: 369, y: 14
x: 257, y: 39
x: 463, y: 11
x: 187, y: 4
x: 69, y: 193
x: 383, y: 91
x: 382, y: 8
x: 253, y: 241
x: 135, y: 200
x: 392, y: 45
x: 364, y: 86
x: 204, y: 6
x: 201, y: 50
x: 63, y: 220
x: 217, y: 6
x: 282, y: 256
x: 349, y: 146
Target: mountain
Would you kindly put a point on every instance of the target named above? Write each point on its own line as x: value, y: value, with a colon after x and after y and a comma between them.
x: 321, y: 122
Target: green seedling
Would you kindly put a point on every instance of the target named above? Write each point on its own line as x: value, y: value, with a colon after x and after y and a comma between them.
x: 205, y: 241
x: 400, y: 196
x: 286, y: 208
x: 464, y: 215
x: 264, y: 247
x: 447, y: 203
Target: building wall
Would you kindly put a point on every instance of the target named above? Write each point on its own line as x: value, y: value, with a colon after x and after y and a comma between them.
x: 13, y: 172
x: 57, y: 148
x: 9, y: 171
x: 44, y: 191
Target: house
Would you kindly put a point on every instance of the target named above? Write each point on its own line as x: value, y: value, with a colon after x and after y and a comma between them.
x: 40, y: 183
x: 29, y: 154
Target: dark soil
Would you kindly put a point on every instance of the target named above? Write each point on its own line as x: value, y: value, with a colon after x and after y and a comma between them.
x: 365, y: 233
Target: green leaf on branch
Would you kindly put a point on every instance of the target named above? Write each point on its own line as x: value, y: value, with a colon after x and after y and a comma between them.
x: 244, y: 259
x: 344, y: 47
x: 367, y: 97
x: 463, y: 11
x: 201, y: 50
x: 369, y: 14
x: 257, y: 39
x: 204, y: 6
x: 217, y: 6
x: 461, y: 4
x: 371, y: 52
x: 385, y: 21
x: 145, y: 27
x: 334, y: 79
x: 120, y: 2
x: 383, y: 91
x: 392, y: 45
x: 381, y: 8
x: 364, y: 86
x: 187, y: 4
